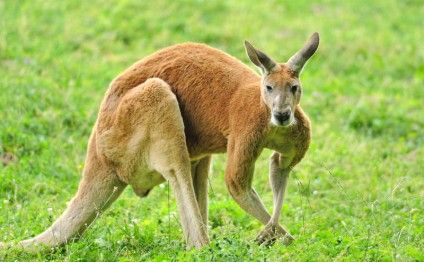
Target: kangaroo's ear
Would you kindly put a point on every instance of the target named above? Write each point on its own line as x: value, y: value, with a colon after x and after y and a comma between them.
x: 259, y: 58
x: 298, y: 60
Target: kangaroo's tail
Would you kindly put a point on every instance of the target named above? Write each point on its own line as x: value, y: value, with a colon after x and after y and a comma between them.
x: 98, y: 188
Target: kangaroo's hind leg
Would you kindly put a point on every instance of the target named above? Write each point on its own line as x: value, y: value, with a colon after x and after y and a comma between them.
x: 150, y: 113
x: 200, y: 172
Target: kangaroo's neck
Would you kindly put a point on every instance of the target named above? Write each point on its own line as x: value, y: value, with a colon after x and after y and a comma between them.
x: 283, y: 139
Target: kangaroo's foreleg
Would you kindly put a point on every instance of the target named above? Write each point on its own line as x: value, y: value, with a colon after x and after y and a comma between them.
x: 278, y: 175
x: 238, y: 177
x: 199, y: 171
x: 98, y: 188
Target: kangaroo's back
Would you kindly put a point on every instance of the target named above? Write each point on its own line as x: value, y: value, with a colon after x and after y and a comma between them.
x: 204, y: 80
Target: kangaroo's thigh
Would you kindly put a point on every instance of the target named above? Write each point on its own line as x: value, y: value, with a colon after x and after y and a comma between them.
x: 147, y: 115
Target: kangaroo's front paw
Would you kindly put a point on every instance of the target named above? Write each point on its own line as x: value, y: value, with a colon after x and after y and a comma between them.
x: 271, y: 233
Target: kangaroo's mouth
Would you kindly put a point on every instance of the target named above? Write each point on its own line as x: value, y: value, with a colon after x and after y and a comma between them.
x: 283, y: 122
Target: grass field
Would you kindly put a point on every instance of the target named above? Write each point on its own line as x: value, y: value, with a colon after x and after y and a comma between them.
x: 357, y: 195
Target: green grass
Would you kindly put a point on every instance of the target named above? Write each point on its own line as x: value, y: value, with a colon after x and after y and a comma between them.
x: 357, y: 195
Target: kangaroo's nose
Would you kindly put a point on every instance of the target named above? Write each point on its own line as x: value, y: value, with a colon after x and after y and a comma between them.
x: 282, y: 116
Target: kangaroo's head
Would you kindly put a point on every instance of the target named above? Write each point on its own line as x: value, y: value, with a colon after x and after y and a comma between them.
x: 281, y: 89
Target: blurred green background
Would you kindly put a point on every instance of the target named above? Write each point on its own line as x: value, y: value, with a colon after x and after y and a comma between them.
x: 357, y: 195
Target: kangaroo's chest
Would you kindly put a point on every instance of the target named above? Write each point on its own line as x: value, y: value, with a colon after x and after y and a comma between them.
x: 281, y: 144
x: 282, y: 139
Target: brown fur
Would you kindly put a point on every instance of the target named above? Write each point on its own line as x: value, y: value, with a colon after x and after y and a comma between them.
x: 171, y: 111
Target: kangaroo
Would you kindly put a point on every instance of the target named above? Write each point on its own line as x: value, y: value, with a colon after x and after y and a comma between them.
x: 163, y: 118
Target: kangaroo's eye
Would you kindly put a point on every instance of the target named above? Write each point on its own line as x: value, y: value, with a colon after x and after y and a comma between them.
x: 294, y: 89
x: 269, y: 88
